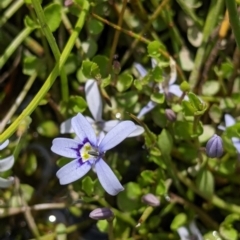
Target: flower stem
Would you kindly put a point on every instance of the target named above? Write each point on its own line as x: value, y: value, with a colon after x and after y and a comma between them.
x: 117, y: 34
x: 234, y: 19
x: 18, y: 101
x: 14, y: 45
x: 53, y: 45
x: 52, y: 76
x: 110, y: 230
x: 212, y: 18
x: 10, y: 11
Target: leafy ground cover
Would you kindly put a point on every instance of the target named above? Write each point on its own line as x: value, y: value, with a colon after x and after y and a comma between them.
x: 148, y: 93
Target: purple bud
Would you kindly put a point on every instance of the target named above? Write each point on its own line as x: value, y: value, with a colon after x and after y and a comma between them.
x: 170, y: 114
x: 101, y: 214
x: 68, y: 3
x: 151, y: 200
x: 116, y: 67
x: 214, y: 147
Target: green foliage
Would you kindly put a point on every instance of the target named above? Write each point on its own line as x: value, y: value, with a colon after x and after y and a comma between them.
x: 52, y: 14
x: 48, y: 129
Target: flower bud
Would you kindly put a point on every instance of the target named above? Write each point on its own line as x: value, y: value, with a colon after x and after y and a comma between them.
x: 151, y: 200
x: 214, y: 147
x: 170, y: 114
x: 68, y: 3
x: 116, y: 66
x: 101, y: 214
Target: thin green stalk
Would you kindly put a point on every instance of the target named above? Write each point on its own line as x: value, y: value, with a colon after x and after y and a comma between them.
x: 52, y: 76
x: 53, y: 45
x: 215, y: 200
x: 146, y: 27
x: 190, y: 12
x: 211, y: 21
x: 10, y: 11
x: 29, y: 42
x: 14, y: 45
x: 117, y: 34
x: 110, y: 230
x: 234, y: 19
x: 18, y: 101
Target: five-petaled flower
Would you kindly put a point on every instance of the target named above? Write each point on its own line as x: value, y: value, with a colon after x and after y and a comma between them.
x: 165, y: 87
x: 95, y: 105
x: 88, y: 151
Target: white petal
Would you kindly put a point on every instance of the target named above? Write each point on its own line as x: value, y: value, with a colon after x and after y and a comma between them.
x: 3, y: 145
x: 66, y: 127
x: 107, y: 178
x: 194, y: 230
x: 229, y: 120
x: 83, y: 129
x: 151, y: 105
x: 220, y: 127
x: 183, y: 233
x: 173, y: 73
x: 65, y: 147
x: 94, y: 99
x: 237, y: 146
x: 90, y: 120
x: 6, y: 163
x: 140, y: 69
x: 5, y: 183
x: 137, y: 132
x: 108, y: 125
x: 117, y: 135
x: 175, y: 89
x: 72, y: 171
x: 153, y: 62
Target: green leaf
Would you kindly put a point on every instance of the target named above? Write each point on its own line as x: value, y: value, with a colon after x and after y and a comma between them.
x: 215, y: 113
x: 228, y: 232
x: 48, y: 129
x: 52, y: 14
x: 128, y: 99
x: 90, y: 69
x: 94, y: 26
x: 153, y: 48
x: 184, y: 86
x: 129, y: 199
x: 147, y: 177
x: 27, y: 191
x: 31, y: 64
x: 102, y: 225
x: 161, y: 188
x: 208, y: 132
x: 210, y: 88
x: 31, y: 164
x: 90, y: 47
x: 184, y: 130
x: 106, y: 81
x: 157, y: 74
x: 124, y: 82
x: 165, y: 142
x: 88, y: 185
x: 102, y: 62
x: 71, y: 64
x: 158, y: 97
x: 205, y: 182
x: 178, y: 221
x: 76, y: 104
x: 28, y: 22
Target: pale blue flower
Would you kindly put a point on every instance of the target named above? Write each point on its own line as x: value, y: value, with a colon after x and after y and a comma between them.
x: 95, y: 105
x: 6, y: 164
x: 165, y: 87
x: 88, y: 150
x: 192, y: 232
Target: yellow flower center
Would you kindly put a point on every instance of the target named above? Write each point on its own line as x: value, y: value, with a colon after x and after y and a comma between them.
x: 84, y: 152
